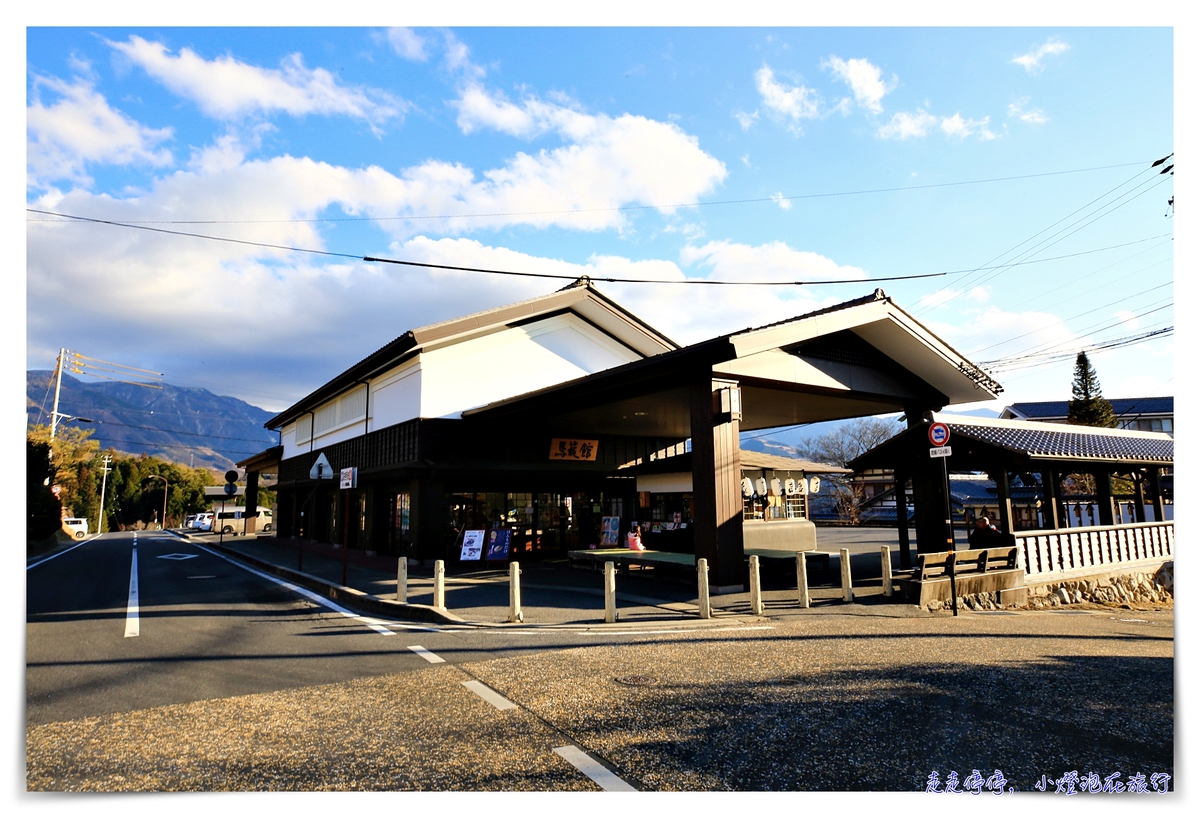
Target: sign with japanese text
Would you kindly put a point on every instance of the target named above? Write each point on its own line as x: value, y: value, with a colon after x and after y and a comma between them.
x: 497, y: 544
x: 562, y: 448
x: 349, y: 478
x: 472, y: 547
x: 939, y: 451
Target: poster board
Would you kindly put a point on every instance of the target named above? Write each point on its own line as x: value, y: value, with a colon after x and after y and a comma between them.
x: 472, y: 547
x: 498, y: 541
x: 610, y: 529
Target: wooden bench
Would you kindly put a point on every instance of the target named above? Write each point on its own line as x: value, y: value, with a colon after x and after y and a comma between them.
x: 973, y: 561
x: 978, y: 570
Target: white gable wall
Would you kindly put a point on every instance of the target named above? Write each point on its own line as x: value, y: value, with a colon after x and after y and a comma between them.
x: 444, y: 382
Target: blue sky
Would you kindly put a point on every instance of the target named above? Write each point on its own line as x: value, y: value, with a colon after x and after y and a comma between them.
x: 739, y: 154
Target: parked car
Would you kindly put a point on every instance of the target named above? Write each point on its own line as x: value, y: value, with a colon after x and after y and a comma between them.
x: 77, y: 527
x: 203, y: 522
x: 231, y: 520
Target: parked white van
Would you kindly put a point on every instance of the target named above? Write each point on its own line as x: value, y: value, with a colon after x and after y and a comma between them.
x: 230, y: 520
x: 77, y: 527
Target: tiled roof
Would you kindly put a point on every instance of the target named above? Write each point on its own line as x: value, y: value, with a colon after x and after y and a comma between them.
x: 1122, y: 407
x: 1058, y: 441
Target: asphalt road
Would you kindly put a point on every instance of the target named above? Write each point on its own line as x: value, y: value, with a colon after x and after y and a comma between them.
x: 208, y: 628
x: 235, y: 682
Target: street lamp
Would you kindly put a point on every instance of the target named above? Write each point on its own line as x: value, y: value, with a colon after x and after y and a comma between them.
x: 166, y: 486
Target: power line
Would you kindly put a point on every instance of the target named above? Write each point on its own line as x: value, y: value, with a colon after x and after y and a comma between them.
x: 571, y: 276
x: 623, y: 208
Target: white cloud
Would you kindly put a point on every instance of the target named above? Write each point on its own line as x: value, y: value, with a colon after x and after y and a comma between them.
x: 746, y: 120
x: 407, y: 44
x: 772, y: 261
x: 227, y: 89
x: 80, y: 128
x: 783, y: 202
x: 1032, y: 60
x: 477, y: 108
x: 864, y: 79
x: 746, y: 160
x: 1034, y: 116
x: 458, y: 58
x: 794, y: 103
x: 962, y: 128
x: 905, y: 125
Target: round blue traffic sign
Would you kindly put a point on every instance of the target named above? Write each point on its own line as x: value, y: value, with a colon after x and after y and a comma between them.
x: 939, y: 434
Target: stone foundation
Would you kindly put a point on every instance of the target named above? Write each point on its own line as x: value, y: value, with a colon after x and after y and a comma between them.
x: 1127, y: 589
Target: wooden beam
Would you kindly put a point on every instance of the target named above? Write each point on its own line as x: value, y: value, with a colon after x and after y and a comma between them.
x: 1050, y: 490
x: 716, y: 485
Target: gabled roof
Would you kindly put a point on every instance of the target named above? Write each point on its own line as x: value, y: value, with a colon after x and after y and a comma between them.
x: 579, y: 297
x: 1122, y: 407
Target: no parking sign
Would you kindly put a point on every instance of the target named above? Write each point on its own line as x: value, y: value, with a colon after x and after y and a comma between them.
x: 939, y: 434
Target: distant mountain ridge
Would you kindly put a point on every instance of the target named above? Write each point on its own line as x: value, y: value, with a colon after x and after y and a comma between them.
x: 178, y: 423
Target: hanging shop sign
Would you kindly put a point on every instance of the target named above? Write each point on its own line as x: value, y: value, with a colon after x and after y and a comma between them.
x: 472, y: 547
x: 497, y: 544
x: 566, y: 448
x: 349, y: 478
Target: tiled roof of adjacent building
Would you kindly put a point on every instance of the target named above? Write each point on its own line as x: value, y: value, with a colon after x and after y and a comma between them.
x: 1122, y: 407
x: 1059, y: 441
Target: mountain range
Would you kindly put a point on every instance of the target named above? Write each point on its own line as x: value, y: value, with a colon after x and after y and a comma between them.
x: 185, y: 425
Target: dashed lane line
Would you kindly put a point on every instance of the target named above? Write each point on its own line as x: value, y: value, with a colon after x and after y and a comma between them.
x: 605, y: 778
x: 383, y: 629
x: 428, y: 656
x: 132, y: 623
x: 488, y: 695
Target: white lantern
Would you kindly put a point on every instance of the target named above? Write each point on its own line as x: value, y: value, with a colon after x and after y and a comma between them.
x: 814, y: 485
x: 747, y: 487
x: 761, y: 485
x: 776, y: 487
x: 789, y: 485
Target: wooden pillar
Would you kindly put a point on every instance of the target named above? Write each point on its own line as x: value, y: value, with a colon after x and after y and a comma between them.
x: 1004, y: 499
x: 1139, y: 495
x: 716, y: 481
x: 1160, y: 512
x: 1104, y: 498
x: 1050, y: 489
x: 251, y: 520
x: 901, y: 493
x: 428, y: 522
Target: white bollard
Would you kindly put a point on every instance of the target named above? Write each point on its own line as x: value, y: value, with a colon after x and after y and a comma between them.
x: 885, y: 563
x: 847, y: 590
x: 702, y: 580
x: 514, y: 593
x: 439, y: 584
x: 610, y: 592
x: 802, y: 580
x: 756, y: 602
x: 402, y: 579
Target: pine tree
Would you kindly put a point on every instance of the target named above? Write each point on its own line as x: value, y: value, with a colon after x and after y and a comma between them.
x: 1087, y: 406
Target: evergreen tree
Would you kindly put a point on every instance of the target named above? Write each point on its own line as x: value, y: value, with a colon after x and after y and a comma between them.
x: 1087, y: 406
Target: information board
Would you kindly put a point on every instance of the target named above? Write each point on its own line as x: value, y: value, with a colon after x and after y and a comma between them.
x: 472, y: 547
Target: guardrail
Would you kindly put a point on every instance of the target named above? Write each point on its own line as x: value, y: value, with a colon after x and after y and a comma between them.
x: 1066, y: 549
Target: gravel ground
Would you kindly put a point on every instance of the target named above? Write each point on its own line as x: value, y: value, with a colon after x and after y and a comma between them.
x: 823, y: 701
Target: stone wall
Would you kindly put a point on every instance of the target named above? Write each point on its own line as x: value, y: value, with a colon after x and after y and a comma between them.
x: 1120, y: 590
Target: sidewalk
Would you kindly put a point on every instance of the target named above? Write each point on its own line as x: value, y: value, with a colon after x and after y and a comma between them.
x: 552, y: 593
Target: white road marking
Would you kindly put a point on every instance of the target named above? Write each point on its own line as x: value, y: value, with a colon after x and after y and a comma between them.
x: 593, y: 769
x: 132, y: 626
x: 488, y: 695
x: 177, y: 556
x: 60, y: 553
x: 373, y: 624
x: 431, y: 658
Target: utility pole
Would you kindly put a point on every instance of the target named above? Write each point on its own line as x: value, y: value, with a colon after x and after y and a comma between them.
x: 58, y: 370
x: 103, y: 484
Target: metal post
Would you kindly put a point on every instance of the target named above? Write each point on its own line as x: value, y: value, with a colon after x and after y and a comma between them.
x: 610, y: 592
x: 402, y: 580
x: 756, y: 602
x: 439, y: 584
x: 103, y: 485
x: 702, y: 581
x: 514, y: 593
x: 885, y: 563
x: 802, y: 580
x: 950, y: 560
x: 345, y: 534
x: 847, y: 590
